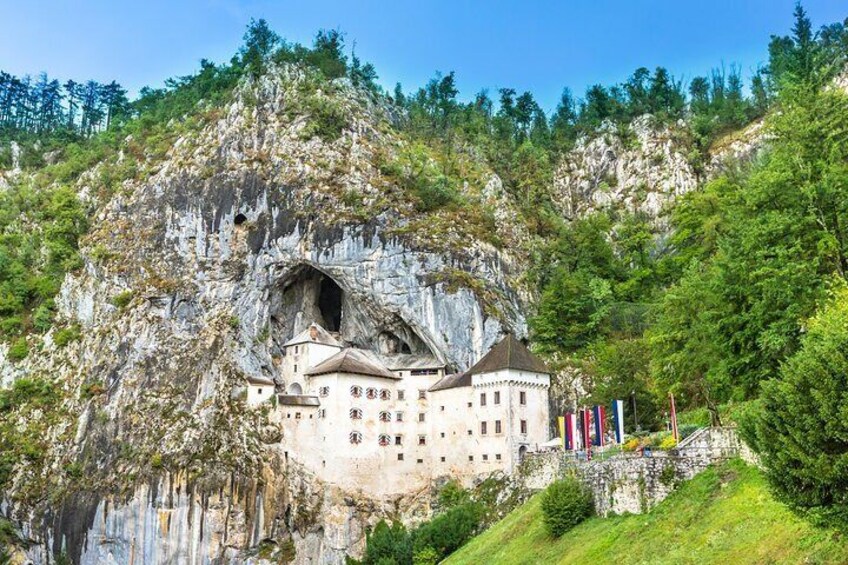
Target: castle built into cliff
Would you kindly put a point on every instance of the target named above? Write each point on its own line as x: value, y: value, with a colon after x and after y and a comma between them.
x: 392, y: 423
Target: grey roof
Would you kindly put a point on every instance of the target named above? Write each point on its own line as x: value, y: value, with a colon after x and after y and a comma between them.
x: 254, y: 380
x: 452, y: 381
x: 353, y: 361
x: 509, y: 354
x: 314, y: 334
x: 298, y: 400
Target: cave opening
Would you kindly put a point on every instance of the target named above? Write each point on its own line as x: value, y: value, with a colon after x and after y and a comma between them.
x: 330, y: 303
x: 239, y: 219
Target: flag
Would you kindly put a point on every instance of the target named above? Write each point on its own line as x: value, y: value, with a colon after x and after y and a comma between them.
x: 561, y: 422
x: 570, y: 428
x: 618, y: 420
x: 599, y: 415
x: 587, y: 427
x: 673, y: 419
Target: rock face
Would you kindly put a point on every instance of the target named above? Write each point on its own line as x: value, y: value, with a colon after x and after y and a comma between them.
x: 250, y: 229
x: 639, y: 169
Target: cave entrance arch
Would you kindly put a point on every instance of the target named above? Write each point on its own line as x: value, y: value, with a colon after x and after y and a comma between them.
x: 330, y: 297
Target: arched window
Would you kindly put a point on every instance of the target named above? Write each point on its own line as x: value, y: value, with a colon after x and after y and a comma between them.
x: 371, y: 393
x: 295, y: 388
x: 355, y: 414
x: 356, y: 391
x: 385, y: 417
x: 355, y: 438
x: 385, y: 394
x: 385, y: 440
x: 324, y: 391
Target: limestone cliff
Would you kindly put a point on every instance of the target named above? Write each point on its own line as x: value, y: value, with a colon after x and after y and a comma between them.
x: 253, y: 225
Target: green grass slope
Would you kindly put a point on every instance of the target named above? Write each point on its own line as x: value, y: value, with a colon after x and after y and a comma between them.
x: 724, y: 515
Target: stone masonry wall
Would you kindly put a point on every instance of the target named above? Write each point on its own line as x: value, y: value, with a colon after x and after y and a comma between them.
x: 631, y: 482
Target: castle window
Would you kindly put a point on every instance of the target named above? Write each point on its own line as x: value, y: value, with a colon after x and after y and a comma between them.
x: 355, y: 414
x: 422, y: 440
x: 420, y: 461
x: 443, y: 408
x: 482, y: 399
x: 355, y: 438
x: 371, y: 393
x: 471, y: 458
x: 322, y: 413
x: 485, y: 457
x: 421, y: 416
x: 356, y: 391
x: 384, y: 440
x: 522, y: 398
x: 443, y: 434
x: 498, y: 456
x: 398, y: 440
x: 400, y: 395
x: 295, y: 351
x: 443, y: 459
x: 422, y: 395
x: 417, y: 372
x: 385, y: 394
x: 324, y: 391
x: 295, y: 368
x: 297, y: 415
x: 469, y: 405
x: 497, y: 426
x: 385, y: 417
x: 259, y: 391
x: 523, y: 426
x: 399, y: 416
x: 497, y: 397
x: 482, y: 428
x: 400, y: 456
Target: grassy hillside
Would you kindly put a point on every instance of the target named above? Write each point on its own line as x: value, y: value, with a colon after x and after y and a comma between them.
x: 724, y: 515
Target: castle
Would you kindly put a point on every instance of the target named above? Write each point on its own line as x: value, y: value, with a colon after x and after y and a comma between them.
x: 394, y: 423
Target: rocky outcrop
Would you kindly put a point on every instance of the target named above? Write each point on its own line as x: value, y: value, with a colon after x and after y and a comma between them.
x: 638, y: 168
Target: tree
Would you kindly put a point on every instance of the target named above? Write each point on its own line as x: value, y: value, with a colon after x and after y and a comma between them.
x: 259, y: 43
x: 327, y: 54
x: 563, y: 122
x: 799, y: 429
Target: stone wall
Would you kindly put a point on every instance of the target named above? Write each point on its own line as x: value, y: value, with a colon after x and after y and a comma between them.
x: 631, y: 482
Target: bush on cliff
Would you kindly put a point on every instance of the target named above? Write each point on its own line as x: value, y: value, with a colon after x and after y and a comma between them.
x: 565, y: 504
x: 388, y: 544
x: 447, y: 532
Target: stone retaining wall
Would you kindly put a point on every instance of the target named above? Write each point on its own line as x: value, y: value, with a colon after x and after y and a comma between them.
x: 630, y: 482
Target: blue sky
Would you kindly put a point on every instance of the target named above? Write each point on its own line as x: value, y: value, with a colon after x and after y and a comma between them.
x: 529, y: 45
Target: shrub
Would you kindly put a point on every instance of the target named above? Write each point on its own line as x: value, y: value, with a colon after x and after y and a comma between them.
x: 668, y: 443
x: 425, y: 556
x: 18, y: 350
x: 327, y: 119
x: 565, y: 504
x: 388, y: 544
x: 66, y: 335
x: 632, y: 444
x: 122, y: 299
x: 447, y: 532
x: 452, y: 494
